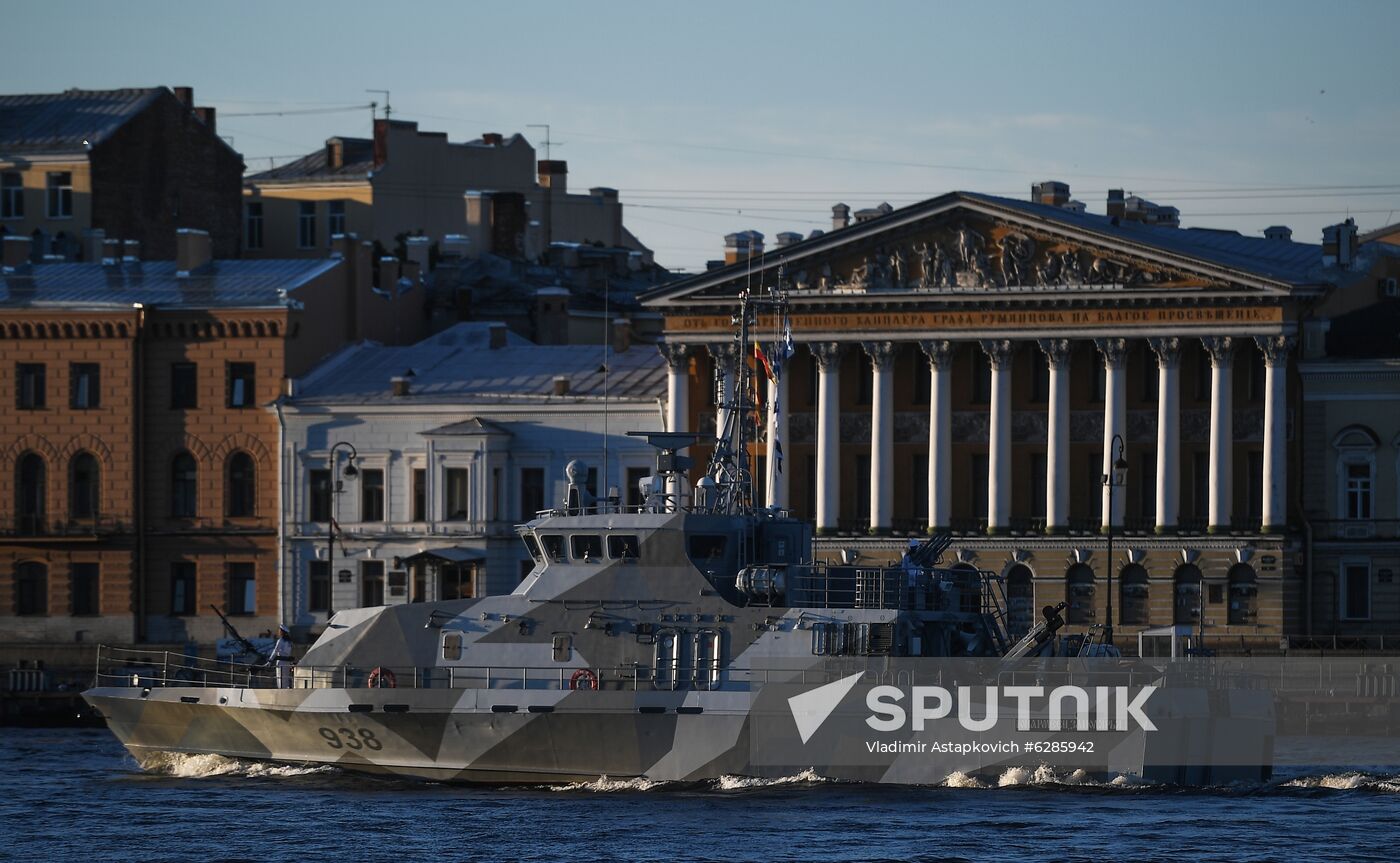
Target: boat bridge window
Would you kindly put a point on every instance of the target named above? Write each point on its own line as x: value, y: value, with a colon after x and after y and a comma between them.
x: 623, y: 546
x: 452, y: 646
x: 707, y: 546
x: 586, y: 547
x: 553, y: 545
x: 532, y: 546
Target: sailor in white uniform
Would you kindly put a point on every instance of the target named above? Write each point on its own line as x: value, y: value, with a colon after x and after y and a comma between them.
x: 281, y: 658
x: 911, y: 574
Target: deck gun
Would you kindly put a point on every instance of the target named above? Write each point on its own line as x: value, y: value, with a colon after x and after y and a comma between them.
x: 930, y: 551
x: 237, y: 636
x: 1039, y: 634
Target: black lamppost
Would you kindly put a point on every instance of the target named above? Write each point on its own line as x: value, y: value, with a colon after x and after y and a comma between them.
x: 1113, y: 479
x: 350, y: 473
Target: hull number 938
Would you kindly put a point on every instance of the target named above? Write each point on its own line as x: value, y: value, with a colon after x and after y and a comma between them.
x: 348, y: 738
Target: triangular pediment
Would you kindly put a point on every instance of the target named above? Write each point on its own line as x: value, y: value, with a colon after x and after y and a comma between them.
x: 980, y: 247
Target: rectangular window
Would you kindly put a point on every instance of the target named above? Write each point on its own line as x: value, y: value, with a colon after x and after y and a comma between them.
x: 1358, y: 490
x: 420, y: 495
x: 455, y: 494
x: 633, y: 493
x: 372, y: 495
x: 981, y: 378
x: 240, y: 384
x: 586, y: 547
x: 1146, y: 481
x: 85, y: 588
x: 242, y: 587
x: 306, y: 224
x: 1254, y: 486
x: 455, y: 582
x: 182, y: 588
x: 371, y: 583
x: 29, y: 393
x: 1200, y: 485
x: 919, y: 505
x: 11, y: 195
x: 1040, y: 377
x: 318, y: 500
x: 253, y: 225
x: 83, y: 381
x: 623, y: 546
x: 318, y: 594
x: 335, y: 219
x: 184, y: 381
x: 978, y: 492
x: 1356, y: 590
x: 31, y: 588
x: 452, y: 646
x: 60, y: 188
x: 1037, y: 484
x: 531, y: 492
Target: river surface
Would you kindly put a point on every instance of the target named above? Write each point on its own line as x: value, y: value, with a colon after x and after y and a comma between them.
x: 77, y: 795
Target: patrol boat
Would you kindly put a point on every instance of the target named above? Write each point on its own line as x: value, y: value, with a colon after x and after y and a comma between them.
x: 637, y: 647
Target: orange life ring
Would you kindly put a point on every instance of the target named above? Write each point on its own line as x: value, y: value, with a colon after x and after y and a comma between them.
x: 382, y: 678
x: 588, y: 678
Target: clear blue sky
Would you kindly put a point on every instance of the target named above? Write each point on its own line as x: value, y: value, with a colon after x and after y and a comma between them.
x: 714, y: 117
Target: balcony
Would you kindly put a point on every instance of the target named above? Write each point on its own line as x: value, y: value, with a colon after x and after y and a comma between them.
x: 40, y: 528
x: 388, y: 529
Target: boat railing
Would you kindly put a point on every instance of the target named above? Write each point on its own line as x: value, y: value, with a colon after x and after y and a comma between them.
x: 949, y: 590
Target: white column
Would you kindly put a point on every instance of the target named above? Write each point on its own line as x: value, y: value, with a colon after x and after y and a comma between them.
x: 1221, y: 430
x: 677, y: 385
x: 881, y: 434
x: 999, y: 353
x: 828, y: 357
x: 1057, y: 470
x: 778, y: 473
x: 1168, y: 351
x: 1115, y: 415
x: 723, y: 355
x: 1275, y: 508
x: 940, y: 433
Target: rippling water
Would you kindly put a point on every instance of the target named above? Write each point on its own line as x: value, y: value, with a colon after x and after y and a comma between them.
x: 77, y: 795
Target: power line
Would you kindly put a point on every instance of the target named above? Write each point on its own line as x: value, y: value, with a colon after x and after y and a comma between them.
x: 298, y: 111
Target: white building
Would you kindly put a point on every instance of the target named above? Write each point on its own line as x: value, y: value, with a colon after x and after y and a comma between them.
x: 454, y: 441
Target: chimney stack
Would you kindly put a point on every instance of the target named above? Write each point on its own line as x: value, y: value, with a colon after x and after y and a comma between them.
x: 111, y: 251
x: 1116, y: 205
x: 206, y: 116
x: 1278, y: 232
x: 787, y: 238
x: 498, y: 336
x: 400, y: 385
x: 736, y: 247
x: 335, y: 154
x: 418, y: 248
x: 552, y: 316
x: 561, y: 385
x: 16, y: 251
x: 185, y: 95
x: 94, y: 241
x: 554, y: 175
x: 493, y: 139
x: 840, y: 217
x: 1051, y: 192
x: 131, y: 251
x: 621, y: 334
x: 388, y: 273
x: 193, y: 249
x: 1339, y: 244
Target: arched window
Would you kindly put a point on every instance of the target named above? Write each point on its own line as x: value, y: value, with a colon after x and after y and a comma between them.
x: 1186, y: 594
x: 1020, y: 600
x: 1132, y: 601
x: 31, y: 486
x: 84, y: 486
x: 31, y: 588
x: 242, y: 488
x: 1079, y: 593
x: 1356, y: 472
x: 1244, y: 593
x: 184, y: 486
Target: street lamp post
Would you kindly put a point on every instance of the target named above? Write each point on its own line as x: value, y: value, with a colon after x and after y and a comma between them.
x: 1113, y: 479
x: 350, y: 473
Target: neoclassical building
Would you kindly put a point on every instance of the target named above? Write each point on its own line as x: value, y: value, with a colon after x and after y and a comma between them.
x: 966, y: 364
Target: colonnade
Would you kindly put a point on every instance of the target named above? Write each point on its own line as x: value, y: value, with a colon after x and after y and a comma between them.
x: 1112, y: 352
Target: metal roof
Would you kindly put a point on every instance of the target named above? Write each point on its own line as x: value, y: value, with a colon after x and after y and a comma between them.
x: 219, y: 284
x: 357, y: 162
x: 458, y: 366
x: 61, y: 122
